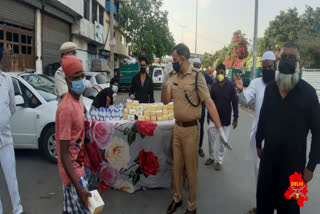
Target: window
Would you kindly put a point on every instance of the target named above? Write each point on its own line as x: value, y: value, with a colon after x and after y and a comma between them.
x: 29, y: 50
x: 101, y: 15
x: 1, y: 50
x: 23, y: 39
x: 30, y: 100
x: 23, y: 49
x: 15, y: 37
x: 29, y: 40
x: 9, y: 36
x: 94, y: 11
x: 1, y: 34
x: 17, y: 90
x: 16, y: 49
x: 157, y: 73
x: 43, y: 85
x: 86, y: 11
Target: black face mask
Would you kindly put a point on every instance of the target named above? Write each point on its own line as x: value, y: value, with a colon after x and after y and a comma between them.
x: 287, y: 65
x: 143, y: 70
x: 268, y: 75
x: 176, y: 67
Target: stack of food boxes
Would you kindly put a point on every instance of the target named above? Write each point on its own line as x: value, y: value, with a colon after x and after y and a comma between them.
x: 148, y: 112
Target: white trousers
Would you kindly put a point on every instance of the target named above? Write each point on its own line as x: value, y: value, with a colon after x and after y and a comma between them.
x: 215, y: 141
x: 8, y: 164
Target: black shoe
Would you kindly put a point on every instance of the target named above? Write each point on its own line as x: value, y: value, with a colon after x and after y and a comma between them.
x: 173, y: 207
x: 209, y: 161
x: 201, y: 153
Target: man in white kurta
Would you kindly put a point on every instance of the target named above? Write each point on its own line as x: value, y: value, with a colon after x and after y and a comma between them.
x: 255, y: 92
x: 7, y: 156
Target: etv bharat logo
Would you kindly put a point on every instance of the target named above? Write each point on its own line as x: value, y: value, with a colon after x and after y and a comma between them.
x: 297, y: 190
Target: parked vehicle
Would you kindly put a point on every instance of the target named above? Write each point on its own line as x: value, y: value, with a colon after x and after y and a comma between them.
x: 33, y: 124
x: 99, y: 79
x: 126, y: 74
x: 157, y: 76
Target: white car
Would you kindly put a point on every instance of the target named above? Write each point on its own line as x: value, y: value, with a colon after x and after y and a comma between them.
x: 33, y: 124
x: 157, y: 76
x: 99, y: 79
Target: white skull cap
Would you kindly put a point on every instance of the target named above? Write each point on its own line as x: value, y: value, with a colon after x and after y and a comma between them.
x: 269, y: 55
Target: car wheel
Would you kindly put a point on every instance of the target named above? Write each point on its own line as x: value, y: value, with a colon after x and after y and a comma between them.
x: 49, y: 147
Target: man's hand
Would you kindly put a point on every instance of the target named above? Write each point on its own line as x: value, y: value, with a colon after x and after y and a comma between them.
x: 132, y: 97
x: 307, y: 175
x: 259, y: 152
x: 223, y: 138
x: 167, y: 74
x: 238, y: 82
x: 235, y: 124
x: 84, y: 195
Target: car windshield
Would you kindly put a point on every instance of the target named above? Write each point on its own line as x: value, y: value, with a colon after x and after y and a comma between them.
x: 157, y: 72
x: 43, y: 85
x: 101, y: 79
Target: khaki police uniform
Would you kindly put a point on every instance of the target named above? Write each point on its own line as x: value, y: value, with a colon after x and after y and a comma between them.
x: 187, y: 130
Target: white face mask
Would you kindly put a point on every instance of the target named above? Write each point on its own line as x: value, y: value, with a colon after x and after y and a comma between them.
x: 115, y: 88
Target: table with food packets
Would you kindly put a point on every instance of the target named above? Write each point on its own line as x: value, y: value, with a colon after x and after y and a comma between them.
x: 135, y: 143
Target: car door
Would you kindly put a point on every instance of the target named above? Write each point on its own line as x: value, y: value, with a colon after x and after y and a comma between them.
x: 23, y: 122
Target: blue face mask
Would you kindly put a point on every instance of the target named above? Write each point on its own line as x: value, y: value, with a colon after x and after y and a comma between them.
x: 79, y: 86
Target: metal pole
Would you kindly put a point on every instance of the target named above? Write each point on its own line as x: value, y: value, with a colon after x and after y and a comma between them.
x: 255, y: 39
x: 195, y: 49
x: 111, y: 38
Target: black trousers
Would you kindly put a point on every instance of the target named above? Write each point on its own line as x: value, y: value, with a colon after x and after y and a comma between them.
x: 203, y: 115
x: 273, y: 182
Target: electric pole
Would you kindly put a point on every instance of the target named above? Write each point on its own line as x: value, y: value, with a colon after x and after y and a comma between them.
x: 182, y: 28
x: 195, y: 49
x: 255, y: 39
x: 111, y: 38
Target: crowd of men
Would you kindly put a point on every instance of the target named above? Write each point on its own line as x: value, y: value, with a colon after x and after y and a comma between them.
x: 286, y: 107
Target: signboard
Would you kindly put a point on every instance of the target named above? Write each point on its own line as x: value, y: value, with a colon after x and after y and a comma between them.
x: 99, y: 32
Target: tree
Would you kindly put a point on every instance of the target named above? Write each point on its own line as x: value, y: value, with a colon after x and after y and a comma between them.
x: 147, y: 28
x: 239, y: 46
x: 207, y: 60
x: 282, y: 29
x: 309, y: 37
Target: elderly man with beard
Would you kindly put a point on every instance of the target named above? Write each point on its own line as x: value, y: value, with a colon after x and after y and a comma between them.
x: 290, y: 110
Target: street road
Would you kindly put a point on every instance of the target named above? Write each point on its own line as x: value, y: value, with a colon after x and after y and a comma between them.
x: 230, y: 191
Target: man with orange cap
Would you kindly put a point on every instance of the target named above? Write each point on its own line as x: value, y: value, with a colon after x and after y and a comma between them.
x: 70, y: 139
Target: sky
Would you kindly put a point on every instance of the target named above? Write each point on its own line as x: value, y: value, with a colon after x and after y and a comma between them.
x: 218, y: 19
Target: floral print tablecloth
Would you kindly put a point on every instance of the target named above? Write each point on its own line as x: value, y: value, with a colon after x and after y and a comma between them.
x: 134, y: 154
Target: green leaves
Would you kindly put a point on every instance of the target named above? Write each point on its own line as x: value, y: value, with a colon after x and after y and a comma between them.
x: 135, y: 179
x: 127, y: 131
x: 131, y: 137
x: 147, y: 27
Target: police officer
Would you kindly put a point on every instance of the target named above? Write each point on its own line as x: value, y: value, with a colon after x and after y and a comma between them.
x: 188, y: 89
x: 61, y: 87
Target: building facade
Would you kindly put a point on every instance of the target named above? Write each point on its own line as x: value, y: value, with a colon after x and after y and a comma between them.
x: 32, y: 31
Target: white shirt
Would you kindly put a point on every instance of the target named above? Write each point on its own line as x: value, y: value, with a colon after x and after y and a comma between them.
x: 255, y: 92
x: 61, y: 86
x: 7, y: 108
